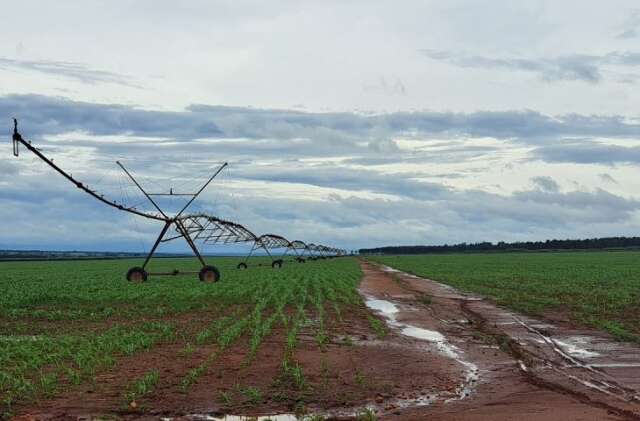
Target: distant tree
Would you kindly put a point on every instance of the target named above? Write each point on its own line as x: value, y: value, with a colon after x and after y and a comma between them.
x: 570, y: 244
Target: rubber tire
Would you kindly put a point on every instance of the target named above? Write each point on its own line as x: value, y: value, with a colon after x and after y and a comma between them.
x: 277, y: 263
x: 300, y: 260
x: 209, y: 274
x: 242, y: 265
x: 137, y: 275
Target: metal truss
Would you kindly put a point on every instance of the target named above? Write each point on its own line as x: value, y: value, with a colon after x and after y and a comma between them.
x: 193, y: 228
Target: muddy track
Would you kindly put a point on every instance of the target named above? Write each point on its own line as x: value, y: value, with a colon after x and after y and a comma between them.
x: 526, y: 359
x: 536, y: 369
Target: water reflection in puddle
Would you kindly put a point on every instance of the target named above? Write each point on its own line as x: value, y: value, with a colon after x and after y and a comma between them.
x: 615, y: 365
x: 573, y: 347
x: 389, y: 311
x: 279, y: 417
x: 382, y: 306
x: 424, y: 334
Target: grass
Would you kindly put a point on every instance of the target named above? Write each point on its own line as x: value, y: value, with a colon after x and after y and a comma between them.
x: 226, y: 398
x: 599, y: 289
x: 378, y: 327
x: 298, y: 377
x: 366, y: 415
x: 359, y: 377
x: 70, y: 320
x: 141, y: 387
x: 252, y: 395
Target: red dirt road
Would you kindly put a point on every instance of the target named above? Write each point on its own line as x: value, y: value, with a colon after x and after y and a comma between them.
x: 527, y: 369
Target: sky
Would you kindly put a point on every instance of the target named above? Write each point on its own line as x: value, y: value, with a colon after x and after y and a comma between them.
x: 347, y: 123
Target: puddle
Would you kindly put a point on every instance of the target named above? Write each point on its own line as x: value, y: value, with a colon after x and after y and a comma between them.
x: 432, y: 336
x: 543, y: 326
x: 590, y: 384
x: 279, y: 417
x: 616, y: 365
x: 389, y: 311
x: 388, y: 405
x: 568, y: 348
x: 573, y: 349
x: 382, y: 306
x: 424, y: 334
x: 522, y: 366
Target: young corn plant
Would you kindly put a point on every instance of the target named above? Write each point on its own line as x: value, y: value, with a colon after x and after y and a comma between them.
x: 252, y: 395
x: 378, y: 327
x: 321, y: 335
x: 226, y: 339
x: 141, y: 387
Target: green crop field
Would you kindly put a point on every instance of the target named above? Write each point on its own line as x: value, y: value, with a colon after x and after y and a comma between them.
x: 61, y: 323
x: 600, y: 289
x: 64, y: 324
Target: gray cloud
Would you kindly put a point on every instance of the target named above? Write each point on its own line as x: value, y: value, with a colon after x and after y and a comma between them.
x: 332, y: 176
x: 586, y: 68
x: 452, y: 154
x: 588, y: 153
x: 544, y: 206
x: 607, y: 178
x: 450, y: 216
x: 272, y: 146
x: 315, y: 133
x: 70, y: 70
x: 546, y: 183
x: 43, y: 115
x: 8, y: 168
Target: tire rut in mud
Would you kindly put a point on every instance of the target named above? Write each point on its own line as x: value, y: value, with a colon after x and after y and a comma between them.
x: 520, y: 364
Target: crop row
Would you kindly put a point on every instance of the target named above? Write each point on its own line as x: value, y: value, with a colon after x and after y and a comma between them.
x: 44, y: 297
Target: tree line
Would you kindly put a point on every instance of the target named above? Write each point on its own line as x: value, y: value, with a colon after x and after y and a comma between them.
x: 582, y: 244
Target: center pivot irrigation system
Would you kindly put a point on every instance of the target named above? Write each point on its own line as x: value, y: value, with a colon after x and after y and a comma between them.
x: 206, y: 229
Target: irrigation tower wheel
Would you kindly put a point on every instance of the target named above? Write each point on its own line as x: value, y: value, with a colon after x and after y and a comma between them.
x: 300, y: 260
x: 137, y: 275
x: 209, y: 274
x: 276, y: 263
x: 242, y: 265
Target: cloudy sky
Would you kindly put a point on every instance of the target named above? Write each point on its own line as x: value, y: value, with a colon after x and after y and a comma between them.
x: 350, y: 123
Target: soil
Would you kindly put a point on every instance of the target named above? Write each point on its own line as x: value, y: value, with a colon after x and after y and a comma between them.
x: 446, y: 356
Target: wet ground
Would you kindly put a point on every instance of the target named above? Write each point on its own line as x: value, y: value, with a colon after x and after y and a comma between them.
x: 511, y: 366
x: 446, y: 356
